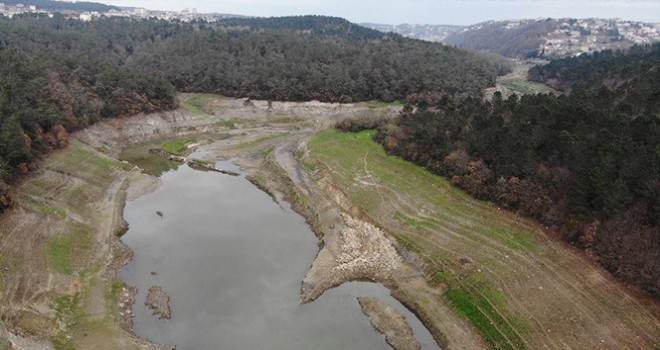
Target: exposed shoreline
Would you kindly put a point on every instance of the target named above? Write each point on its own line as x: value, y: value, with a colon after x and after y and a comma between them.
x: 270, y: 144
x: 279, y: 186
x: 389, y: 322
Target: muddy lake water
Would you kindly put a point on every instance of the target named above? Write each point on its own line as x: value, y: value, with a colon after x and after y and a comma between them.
x: 232, y: 261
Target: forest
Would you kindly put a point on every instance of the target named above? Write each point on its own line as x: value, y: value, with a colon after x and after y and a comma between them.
x: 58, y: 75
x: 306, y: 58
x: 603, y: 69
x: 521, y: 42
x: 586, y: 164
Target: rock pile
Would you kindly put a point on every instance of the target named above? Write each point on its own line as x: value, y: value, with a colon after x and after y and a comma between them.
x: 363, y: 247
x: 159, y: 301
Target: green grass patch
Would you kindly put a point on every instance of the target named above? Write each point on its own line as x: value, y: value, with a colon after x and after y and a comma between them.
x: 482, y: 314
x: 429, y: 206
x: 95, y: 163
x: 60, y: 250
x: 381, y: 104
x: 441, y: 277
x: 528, y: 87
x: 116, y: 289
x: 304, y: 162
x: 39, y: 207
x: 198, y: 103
x: 77, y: 196
x: 178, y: 147
x: 149, y: 163
x: 355, y: 155
x: 67, y: 314
x: 227, y: 123
x: 66, y: 251
x: 9, y: 266
x: 409, y: 244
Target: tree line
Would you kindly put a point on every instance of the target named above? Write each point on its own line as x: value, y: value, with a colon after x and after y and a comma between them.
x: 59, y: 75
x: 607, y: 69
x: 587, y: 164
x: 307, y: 58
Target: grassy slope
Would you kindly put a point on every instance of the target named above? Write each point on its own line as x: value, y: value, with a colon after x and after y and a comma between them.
x: 60, y: 219
x: 521, y: 289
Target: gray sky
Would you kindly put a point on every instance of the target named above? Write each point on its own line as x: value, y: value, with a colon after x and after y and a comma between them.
x: 418, y: 11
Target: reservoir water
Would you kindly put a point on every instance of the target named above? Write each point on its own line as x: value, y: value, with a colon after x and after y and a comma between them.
x: 232, y: 261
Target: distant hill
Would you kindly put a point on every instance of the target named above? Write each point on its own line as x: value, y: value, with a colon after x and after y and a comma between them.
x: 62, y: 5
x: 629, y: 71
x: 586, y: 163
x: 319, y: 25
x: 428, y: 32
x: 552, y: 38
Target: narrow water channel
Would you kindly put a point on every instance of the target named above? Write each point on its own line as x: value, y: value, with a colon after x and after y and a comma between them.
x: 232, y: 261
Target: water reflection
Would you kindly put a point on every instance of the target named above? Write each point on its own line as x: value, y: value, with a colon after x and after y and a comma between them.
x: 232, y: 262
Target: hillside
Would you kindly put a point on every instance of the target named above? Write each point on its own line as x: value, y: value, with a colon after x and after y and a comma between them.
x: 428, y: 32
x: 549, y: 38
x: 585, y: 164
x: 519, y: 288
x: 609, y: 69
x: 312, y: 57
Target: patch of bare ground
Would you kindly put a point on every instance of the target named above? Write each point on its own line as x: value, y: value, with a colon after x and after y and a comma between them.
x: 159, y: 302
x: 389, y: 322
x: 59, y: 250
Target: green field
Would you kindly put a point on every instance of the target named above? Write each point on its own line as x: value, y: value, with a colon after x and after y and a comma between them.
x: 518, y: 287
x: 152, y: 164
x: 426, y: 203
x: 177, y: 146
x: 381, y: 104
x: 197, y: 103
x: 67, y: 251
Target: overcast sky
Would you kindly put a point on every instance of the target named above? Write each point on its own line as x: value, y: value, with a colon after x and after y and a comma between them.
x: 418, y: 11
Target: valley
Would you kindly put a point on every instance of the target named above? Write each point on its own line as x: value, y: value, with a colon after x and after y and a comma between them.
x: 477, y: 276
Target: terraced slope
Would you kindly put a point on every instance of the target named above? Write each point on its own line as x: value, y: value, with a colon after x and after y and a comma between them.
x: 502, y: 272
x: 57, y: 254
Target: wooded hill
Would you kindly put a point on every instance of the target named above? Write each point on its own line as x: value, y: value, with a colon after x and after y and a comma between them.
x: 587, y: 164
x: 605, y: 69
x: 428, y: 32
x: 58, y: 75
x: 305, y: 58
x: 552, y: 38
